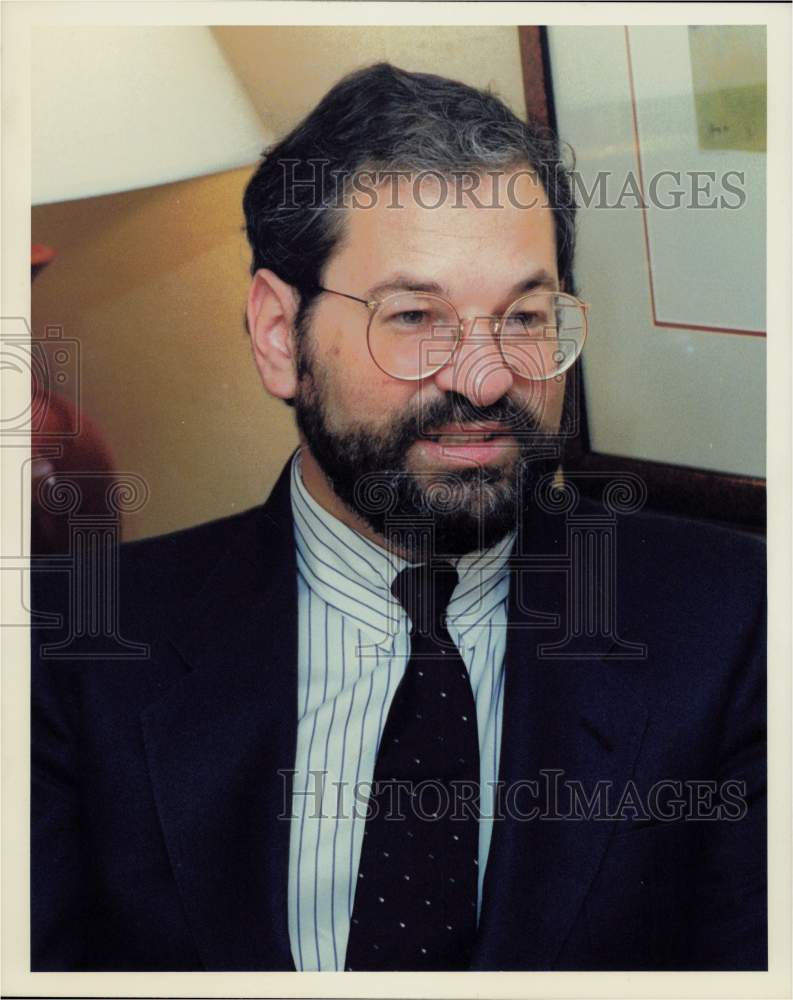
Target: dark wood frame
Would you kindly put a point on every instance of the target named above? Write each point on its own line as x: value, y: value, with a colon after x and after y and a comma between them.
x: 732, y: 500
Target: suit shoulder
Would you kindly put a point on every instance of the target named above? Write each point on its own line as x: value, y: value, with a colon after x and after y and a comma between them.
x: 684, y: 541
x: 154, y: 575
x: 198, y: 548
x: 198, y: 543
x: 180, y: 562
x: 691, y: 567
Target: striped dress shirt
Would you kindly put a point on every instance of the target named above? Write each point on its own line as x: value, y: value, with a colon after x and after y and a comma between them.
x: 353, y: 648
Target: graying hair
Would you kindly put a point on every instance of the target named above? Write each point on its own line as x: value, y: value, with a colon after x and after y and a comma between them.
x: 385, y: 119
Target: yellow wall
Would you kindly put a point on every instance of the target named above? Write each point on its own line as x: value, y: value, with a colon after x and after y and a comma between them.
x: 153, y: 285
x: 153, y: 282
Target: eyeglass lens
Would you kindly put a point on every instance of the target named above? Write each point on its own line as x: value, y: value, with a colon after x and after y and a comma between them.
x: 413, y: 334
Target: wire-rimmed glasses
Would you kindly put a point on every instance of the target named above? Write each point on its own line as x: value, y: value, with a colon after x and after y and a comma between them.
x: 412, y: 335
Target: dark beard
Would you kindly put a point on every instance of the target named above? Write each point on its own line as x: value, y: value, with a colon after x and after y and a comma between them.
x: 444, y: 513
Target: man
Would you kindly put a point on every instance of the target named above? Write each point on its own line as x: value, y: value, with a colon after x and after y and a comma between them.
x: 425, y: 708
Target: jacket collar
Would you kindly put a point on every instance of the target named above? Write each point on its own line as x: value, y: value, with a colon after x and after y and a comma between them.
x: 346, y: 570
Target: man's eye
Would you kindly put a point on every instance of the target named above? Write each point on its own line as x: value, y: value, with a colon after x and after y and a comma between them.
x: 412, y: 317
x: 522, y: 321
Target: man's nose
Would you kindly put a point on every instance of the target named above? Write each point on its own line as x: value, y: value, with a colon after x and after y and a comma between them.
x: 477, y: 368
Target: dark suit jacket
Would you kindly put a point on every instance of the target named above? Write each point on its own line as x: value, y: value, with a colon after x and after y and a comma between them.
x: 155, y: 838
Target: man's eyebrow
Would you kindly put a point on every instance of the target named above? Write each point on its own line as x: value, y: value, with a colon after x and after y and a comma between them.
x: 408, y: 283
x: 405, y: 283
x: 539, y: 279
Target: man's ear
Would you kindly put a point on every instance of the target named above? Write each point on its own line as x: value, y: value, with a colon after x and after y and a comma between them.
x: 271, y: 312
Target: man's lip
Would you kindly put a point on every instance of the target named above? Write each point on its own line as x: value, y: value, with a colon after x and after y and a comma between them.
x: 468, y: 432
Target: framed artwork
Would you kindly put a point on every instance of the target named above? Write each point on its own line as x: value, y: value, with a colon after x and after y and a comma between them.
x: 667, y: 125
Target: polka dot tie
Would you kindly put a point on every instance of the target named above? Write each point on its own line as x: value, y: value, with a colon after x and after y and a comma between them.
x: 416, y: 892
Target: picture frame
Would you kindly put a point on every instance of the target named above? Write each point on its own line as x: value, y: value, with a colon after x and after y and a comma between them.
x: 722, y: 496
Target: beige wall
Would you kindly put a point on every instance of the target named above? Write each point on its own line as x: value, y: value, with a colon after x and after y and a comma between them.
x: 153, y: 282
x: 286, y: 70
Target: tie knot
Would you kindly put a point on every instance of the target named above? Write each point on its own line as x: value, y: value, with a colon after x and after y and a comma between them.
x: 424, y: 592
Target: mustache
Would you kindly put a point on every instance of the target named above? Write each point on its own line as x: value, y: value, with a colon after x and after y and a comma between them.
x: 454, y: 408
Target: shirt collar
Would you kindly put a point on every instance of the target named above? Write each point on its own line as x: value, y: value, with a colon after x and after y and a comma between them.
x: 482, y: 588
x: 354, y: 575
x: 342, y: 567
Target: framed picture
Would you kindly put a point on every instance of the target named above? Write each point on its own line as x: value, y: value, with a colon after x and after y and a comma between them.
x: 667, y: 125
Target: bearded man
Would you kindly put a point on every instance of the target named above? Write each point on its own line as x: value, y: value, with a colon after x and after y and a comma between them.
x: 390, y: 720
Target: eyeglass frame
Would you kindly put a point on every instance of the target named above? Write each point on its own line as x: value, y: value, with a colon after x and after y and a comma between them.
x: 374, y: 304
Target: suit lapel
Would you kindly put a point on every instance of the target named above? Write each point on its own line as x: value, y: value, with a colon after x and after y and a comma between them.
x: 221, y: 742
x: 564, y: 720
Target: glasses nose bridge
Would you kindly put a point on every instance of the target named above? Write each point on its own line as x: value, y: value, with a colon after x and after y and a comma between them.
x: 477, y: 367
x: 466, y: 326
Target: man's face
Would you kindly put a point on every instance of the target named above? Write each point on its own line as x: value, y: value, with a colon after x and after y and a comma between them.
x: 459, y: 448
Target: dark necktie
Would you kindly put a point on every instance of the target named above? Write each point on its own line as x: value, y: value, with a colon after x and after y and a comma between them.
x: 416, y: 892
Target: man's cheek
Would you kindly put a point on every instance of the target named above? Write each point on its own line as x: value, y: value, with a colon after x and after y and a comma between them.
x: 542, y: 405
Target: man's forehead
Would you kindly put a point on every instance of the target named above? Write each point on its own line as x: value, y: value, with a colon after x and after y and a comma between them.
x: 427, y: 220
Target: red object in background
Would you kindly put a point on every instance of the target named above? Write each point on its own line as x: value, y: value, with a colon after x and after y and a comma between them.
x: 82, y: 453
x: 56, y: 451
x: 40, y: 256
